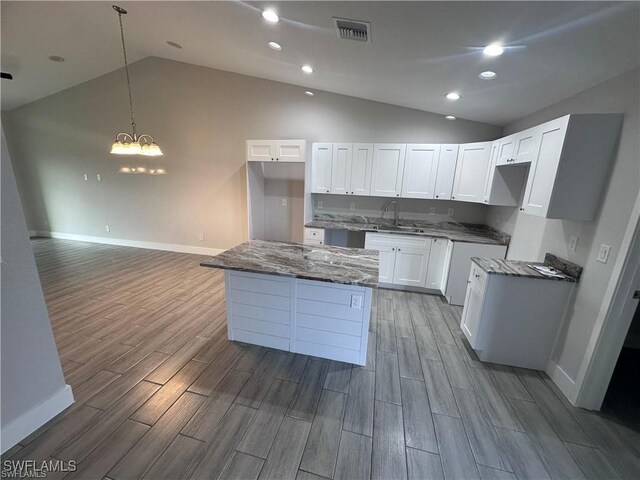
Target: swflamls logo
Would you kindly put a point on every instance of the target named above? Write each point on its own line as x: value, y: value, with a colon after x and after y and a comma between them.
x: 35, y: 469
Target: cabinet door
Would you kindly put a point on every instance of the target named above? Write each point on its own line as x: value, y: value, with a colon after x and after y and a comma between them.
x: 386, y: 260
x: 505, y: 150
x: 472, y: 313
x: 437, y: 264
x: 471, y: 172
x: 361, y: 165
x: 420, y: 169
x: 290, y: 150
x: 341, y: 168
x: 321, y: 160
x: 411, y: 266
x: 526, y: 145
x: 388, y: 167
x: 542, y: 173
x: 261, y: 150
x: 446, y: 171
x: 491, y: 171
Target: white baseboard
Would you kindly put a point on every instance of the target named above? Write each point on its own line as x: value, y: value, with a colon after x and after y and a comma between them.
x: 565, y: 383
x: 30, y: 421
x: 169, y: 247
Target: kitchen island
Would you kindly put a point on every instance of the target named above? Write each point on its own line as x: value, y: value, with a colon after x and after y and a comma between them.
x: 308, y: 299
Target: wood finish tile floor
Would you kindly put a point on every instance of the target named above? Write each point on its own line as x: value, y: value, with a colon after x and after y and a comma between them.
x: 161, y: 393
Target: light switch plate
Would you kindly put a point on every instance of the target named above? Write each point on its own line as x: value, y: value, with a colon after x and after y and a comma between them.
x: 356, y: 301
x: 86, y: 177
x: 284, y: 202
x: 99, y: 177
x: 573, y: 242
x: 603, y: 253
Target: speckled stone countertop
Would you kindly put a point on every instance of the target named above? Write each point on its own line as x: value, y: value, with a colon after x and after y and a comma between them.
x: 454, y: 231
x: 518, y: 268
x: 349, y: 266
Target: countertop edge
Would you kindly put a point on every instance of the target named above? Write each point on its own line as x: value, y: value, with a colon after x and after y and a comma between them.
x: 533, y: 275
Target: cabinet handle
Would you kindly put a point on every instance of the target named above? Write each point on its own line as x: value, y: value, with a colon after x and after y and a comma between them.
x: 393, y: 249
x: 398, y: 249
x: 351, y: 193
x: 327, y: 191
x: 522, y: 209
x: 477, y: 276
x: 397, y: 194
x: 452, y: 198
x: 437, y: 196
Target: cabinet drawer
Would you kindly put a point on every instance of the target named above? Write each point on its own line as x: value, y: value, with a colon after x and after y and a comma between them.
x: 477, y: 276
x: 314, y: 234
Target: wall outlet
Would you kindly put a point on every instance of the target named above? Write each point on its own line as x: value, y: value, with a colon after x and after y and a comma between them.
x: 573, y: 242
x: 107, y: 228
x: 99, y: 177
x: 450, y: 212
x: 86, y: 177
x: 201, y: 236
x: 432, y: 211
x: 284, y: 202
x: 352, y: 206
x: 356, y: 302
x: 320, y: 204
x: 603, y: 253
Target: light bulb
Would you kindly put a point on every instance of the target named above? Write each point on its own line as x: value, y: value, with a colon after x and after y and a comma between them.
x: 270, y: 16
x: 453, y: 96
x: 306, y: 69
x: 135, y: 148
x: 493, y: 50
x: 117, y: 148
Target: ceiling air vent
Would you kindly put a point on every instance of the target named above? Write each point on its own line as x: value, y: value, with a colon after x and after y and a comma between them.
x: 353, y: 30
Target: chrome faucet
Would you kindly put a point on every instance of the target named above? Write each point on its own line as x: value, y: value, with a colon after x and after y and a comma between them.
x: 396, y: 211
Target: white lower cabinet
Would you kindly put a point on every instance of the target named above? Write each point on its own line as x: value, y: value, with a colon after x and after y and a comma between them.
x: 439, y: 257
x: 412, y: 261
x: 473, y: 303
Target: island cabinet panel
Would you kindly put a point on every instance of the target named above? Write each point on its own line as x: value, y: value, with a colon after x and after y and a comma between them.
x: 316, y: 318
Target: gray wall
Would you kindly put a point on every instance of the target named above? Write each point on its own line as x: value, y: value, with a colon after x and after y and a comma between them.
x: 200, y: 118
x: 533, y: 236
x: 31, y: 372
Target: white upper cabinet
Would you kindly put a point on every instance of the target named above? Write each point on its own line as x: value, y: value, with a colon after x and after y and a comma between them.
x: 388, y: 169
x: 261, y: 150
x: 446, y: 171
x: 493, y: 160
x: 471, y: 172
x: 290, y: 150
x: 525, y: 145
x: 571, y: 165
x: 276, y: 150
x: 504, y: 183
x: 321, y: 165
x: 505, y: 150
x: 341, y: 168
x: 361, y: 165
x: 420, y: 169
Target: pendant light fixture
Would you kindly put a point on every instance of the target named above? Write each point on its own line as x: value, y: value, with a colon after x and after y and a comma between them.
x: 132, y: 143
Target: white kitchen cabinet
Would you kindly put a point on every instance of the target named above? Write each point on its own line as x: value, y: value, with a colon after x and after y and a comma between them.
x: 472, y: 312
x: 471, y: 172
x: 439, y: 257
x: 361, y: 165
x: 412, y: 261
x: 525, y: 145
x: 314, y: 236
x: 386, y: 255
x: 505, y: 150
x: 446, y: 171
x: 420, y: 170
x: 571, y: 166
x: 387, y: 170
x: 341, y: 168
x: 505, y: 183
x: 276, y: 150
x: 460, y: 266
x: 321, y: 165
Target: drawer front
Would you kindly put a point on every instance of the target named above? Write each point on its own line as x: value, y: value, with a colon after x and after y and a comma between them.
x: 260, y: 285
x: 261, y: 339
x: 421, y: 243
x: 331, y: 339
x: 261, y: 313
x: 477, y: 276
x: 314, y: 234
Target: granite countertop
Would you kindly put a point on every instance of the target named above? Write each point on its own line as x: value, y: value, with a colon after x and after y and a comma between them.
x: 450, y: 229
x: 518, y: 268
x: 349, y: 266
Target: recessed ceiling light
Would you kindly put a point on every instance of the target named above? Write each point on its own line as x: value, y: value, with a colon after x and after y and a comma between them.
x: 450, y: 117
x: 306, y: 69
x: 488, y: 75
x: 270, y: 16
x: 493, y: 50
x: 453, y: 95
x: 310, y: 93
x: 56, y: 58
x: 174, y: 44
x: 274, y: 46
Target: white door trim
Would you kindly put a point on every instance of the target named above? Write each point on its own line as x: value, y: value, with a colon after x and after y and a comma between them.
x: 612, y: 324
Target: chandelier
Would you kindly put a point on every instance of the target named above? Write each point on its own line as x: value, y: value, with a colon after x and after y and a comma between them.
x: 132, y: 143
